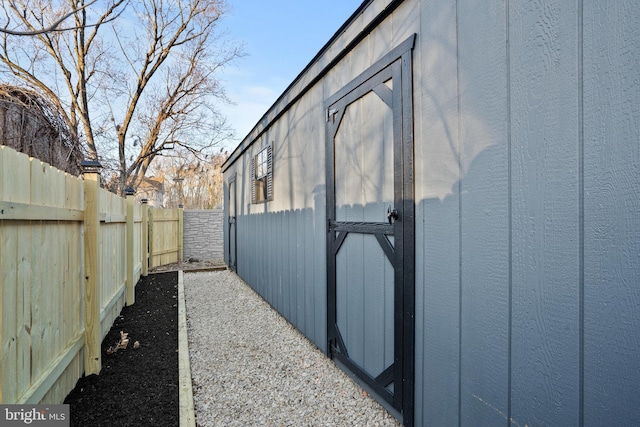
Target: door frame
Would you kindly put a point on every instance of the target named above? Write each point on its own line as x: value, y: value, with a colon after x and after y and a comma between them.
x: 398, y: 64
x: 232, y: 200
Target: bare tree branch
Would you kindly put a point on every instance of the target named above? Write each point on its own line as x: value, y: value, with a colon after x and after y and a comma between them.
x: 54, y: 27
x: 72, y: 63
x: 150, y: 90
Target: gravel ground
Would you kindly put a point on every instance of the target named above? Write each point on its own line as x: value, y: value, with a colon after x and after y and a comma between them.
x: 250, y: 367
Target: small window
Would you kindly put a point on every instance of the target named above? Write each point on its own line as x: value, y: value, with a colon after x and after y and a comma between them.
x: 262, y: 173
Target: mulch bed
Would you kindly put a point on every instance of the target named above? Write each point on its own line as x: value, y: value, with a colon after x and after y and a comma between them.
x: 137, y: 386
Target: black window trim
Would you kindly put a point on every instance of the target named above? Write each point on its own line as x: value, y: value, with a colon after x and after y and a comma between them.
x: 265, y: 179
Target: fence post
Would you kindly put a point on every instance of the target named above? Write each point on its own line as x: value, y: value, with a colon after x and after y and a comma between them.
x: 92, y: 354
x: 145, y: 238
x: 180, y: 231
x: 131, y: 287
x: 151, y: 237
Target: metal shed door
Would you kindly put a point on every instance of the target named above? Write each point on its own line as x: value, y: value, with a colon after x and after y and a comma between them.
x: 370, y: 233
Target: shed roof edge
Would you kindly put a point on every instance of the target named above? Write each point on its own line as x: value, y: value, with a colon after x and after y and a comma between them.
x: 255, y: 134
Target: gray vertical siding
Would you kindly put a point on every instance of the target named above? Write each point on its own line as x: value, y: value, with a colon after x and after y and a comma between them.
x: 527, y: 189
x: 539, y: 322
x: 544, y: 213
x: 611, y: 196
x: 437, y: 219
x: 281, y: 245
x: 273, y: 259
x: 484, y: 214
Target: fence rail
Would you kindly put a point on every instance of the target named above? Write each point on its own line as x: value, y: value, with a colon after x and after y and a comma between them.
x: 70, y: 256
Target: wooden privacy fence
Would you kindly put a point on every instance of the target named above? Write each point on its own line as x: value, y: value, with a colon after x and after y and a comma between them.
x: 165, y: 236
x: 70, y: 256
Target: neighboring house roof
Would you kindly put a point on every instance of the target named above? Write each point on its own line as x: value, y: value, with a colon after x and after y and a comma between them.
x: 152, y: 189
x: 151, y: 183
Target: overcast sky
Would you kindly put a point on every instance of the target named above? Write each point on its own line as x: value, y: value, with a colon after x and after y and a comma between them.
x: 280, y: 38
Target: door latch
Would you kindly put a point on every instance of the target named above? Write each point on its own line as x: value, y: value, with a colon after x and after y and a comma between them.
x: 392, y: 214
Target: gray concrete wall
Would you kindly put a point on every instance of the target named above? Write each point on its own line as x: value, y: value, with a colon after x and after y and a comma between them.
x: 202, y: 234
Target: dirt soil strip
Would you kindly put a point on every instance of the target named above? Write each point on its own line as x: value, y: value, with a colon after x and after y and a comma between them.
x: 187, y: 415
x: 138, y: 385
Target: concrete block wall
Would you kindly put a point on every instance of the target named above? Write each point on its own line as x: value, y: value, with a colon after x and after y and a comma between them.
x: 202, y: 234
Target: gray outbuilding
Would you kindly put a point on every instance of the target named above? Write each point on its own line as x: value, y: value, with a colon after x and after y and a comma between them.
x: 446, y: 201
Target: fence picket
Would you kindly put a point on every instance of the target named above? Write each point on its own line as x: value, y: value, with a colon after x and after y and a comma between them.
x: 70, y: 255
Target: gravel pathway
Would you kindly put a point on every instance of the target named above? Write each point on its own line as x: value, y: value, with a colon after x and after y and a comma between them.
x: 250, y: 367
